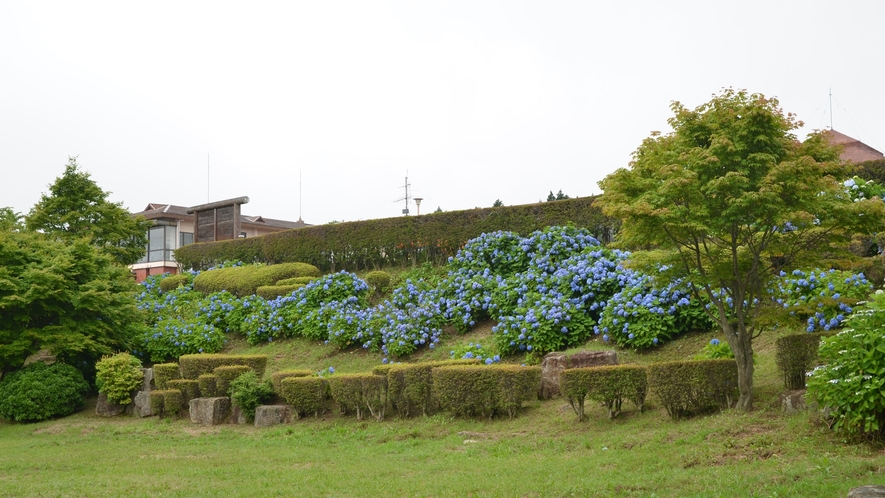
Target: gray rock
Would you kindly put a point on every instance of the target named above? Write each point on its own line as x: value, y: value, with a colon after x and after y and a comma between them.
x: 105, y: 408
x: 237, y: 416
x: 268, y: 415
x: 551, y: 366
x: 583, y: 359
x: 142, y: 404
x: 868, y: 491
x: 147, y: 385
x: 209, y: 411
x: 793, y: 401
x: 44, y: 356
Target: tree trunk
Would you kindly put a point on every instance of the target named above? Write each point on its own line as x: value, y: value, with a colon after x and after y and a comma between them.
x: 742, y: 347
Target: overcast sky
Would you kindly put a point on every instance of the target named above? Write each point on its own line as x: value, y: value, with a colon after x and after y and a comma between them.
x: 475, y: 100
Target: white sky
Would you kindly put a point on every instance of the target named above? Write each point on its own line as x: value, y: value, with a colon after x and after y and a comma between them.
x: 476, y: 100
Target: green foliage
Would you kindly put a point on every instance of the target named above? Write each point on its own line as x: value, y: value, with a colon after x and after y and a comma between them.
x: 248, y: 392
x: 118, y: 376
x: 820, y: 298
x: 208, y: 385
x: 62, y: 296
x: 498, y: 203
x: 558, y: 197
x: 40, y: 392
x: 190, y: 389
x: 688, y: 387
x: 78, y: 209
x: 245, y: 280
x: 307, y: 395
x: 396, y: 241
x: 715, y: 350
x: 796, y: 355
x: 225, y: 375
x: 347, y: 391
x: 296, y: 281
x: 164, y: 372
x: 156, y: 400
x: 378, y: 280
x: 10, y: 221
x: 471, y: 390
x: 410, y: 385
x: 173, y: 282
x: 194, y: 365
x: 851, y: 381
x: 274, y: 291
x: 730, y: 196
x: 609, y: 385
x: 277, y: 377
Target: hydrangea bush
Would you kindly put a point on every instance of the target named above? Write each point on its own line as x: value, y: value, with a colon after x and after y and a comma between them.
x: 821, y: 298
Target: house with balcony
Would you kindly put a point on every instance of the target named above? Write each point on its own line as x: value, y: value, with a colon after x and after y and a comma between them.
x: 176, y: 226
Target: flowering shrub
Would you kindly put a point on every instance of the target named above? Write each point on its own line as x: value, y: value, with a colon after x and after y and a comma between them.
x: 860, y: 189
x: 474, y: 351
x: 851, y: 382
x: 821, y: 298
x: 642, y: 315
x: 715, y: 350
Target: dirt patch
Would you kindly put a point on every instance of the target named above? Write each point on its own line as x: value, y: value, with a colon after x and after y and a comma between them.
x: 200, y: 430
x: 52, y: 429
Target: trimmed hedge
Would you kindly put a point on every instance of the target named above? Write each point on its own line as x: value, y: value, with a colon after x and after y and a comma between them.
x: 227, y: 374
x: 469, y: 390
x: 194, y: 365
x: 373, y: 244
x: 296, y: 281
x: 208, y: 385
x: 244, y: 281
x: 157, y: 401
x: 410, y: 385
x: 378, y: 280
x: 688, y: 387
x: 163, y: 373
x: 173, y: 282
x: 271, y: 292
x: 375, y: 394
x: 609, y: 385
x: 306, y: 394
x: 173, y: 401
x: 190, y: 389
x: 797, y: 354
x: 276, y: 378
x: 347, y: 391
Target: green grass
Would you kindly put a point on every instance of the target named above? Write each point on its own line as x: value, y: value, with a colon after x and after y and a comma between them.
x: 544, y: 452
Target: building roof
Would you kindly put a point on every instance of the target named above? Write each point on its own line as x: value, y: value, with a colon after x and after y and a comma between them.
x: 155, y: 211
x: 853, y: 150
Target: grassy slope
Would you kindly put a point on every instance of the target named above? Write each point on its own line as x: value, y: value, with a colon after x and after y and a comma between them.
x: 544, y: 452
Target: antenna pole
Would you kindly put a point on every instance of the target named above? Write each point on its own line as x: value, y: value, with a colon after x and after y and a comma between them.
x: 299, y: 195
x: 831, y: 108
x: 208, y: 197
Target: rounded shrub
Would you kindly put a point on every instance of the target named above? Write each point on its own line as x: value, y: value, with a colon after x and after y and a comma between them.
x: 271, y: 292
x: 173, y: 282
x: 118, y: 376
x: 296, y: 281
x: 40, y: 392
x: 378, y: 280
x: 248, y: 392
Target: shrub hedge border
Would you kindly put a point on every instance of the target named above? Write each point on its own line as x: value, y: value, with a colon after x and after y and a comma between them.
x: 194, y: 365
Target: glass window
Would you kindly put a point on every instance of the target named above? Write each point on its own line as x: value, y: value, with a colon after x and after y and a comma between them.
x: 186, y: 238
x: 161, y: 242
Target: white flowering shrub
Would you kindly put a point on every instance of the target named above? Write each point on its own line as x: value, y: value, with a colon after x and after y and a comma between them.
x: 851, y: 381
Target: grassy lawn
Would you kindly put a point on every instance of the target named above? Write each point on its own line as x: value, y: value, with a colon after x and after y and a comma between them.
x: 544, y: 452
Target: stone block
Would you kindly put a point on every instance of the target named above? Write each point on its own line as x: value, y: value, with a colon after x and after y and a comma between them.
x: 142, y: 404
x: 268, y: 415
x: 209, y: 411
x: 868, y: 491
x: 551, y: 366
x: 584, y: 359
x: 793, y: 401
x: 147, y: 385
x: 105, y: 408
x: 237, y: 416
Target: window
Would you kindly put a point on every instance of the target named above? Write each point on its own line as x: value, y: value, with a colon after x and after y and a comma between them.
x: 161, y: 243
x: 186, y: 238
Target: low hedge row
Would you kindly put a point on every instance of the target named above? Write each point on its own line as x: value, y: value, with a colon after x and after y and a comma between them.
x: 356, y: 392
x: 166, y: 402
x: 410, y: 385
x: 271, y: 292
x: 163, y: 373
x: 208, y: 385
x: 244, y: 281
x: 307, y: 395
x: 225, y: 375
x: 276, y: 378
x: 372, y: 244
x: 190, y: 389
x: 609, y: 385
x: 687, y: 387
x: 469, y: 390
x: 797, y: 354
x: 194, y: 365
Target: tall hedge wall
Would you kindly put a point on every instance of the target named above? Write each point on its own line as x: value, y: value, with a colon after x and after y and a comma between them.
x: 396, y: 241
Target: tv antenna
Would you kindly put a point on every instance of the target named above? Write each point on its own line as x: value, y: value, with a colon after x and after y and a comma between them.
x: 407, y: 197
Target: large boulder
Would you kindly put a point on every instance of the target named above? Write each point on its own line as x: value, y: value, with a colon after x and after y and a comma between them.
x: 793, y: 401
x: 868, y: 491
x: 42, y: 356
x: 237, y: 416
x: 105, y: 408
x: 551, y: 366
x: 209, y: 411
x: 142, y: 405
x: 268, y: 415
x: 583, y: 359
x: 147, y: 385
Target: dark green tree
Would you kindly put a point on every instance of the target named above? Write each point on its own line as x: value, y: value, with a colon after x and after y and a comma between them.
x: 67, y: 297
x: 558, y: 197
x: 77, y: 208
x: 497, y: 203
x: 729, y: 198
x: 10, y: 220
